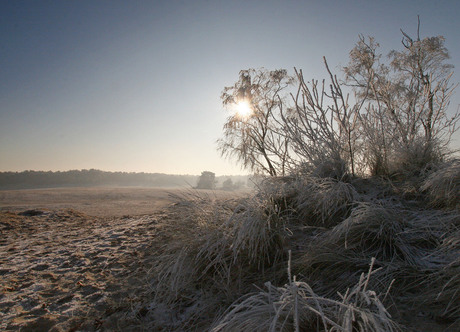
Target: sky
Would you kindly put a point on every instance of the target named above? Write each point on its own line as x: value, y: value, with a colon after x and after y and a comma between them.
x: 135, y: 85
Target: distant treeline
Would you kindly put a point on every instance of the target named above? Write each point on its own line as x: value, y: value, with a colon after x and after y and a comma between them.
x: 93, y: 177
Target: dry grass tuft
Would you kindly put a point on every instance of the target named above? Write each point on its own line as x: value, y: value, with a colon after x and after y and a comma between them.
x: 226, y: 246
x: 179, y: 264
x: 258, y: 231
x: 442, y: 285
x: 443, y: 186
x: 310, y: 200
x: 404, y: 242
x: 296, y: 307
x: 448, y: 293
x: 324, y: 201
x: 410, y: 160
x: 391, y: 233
x: 373, y: 229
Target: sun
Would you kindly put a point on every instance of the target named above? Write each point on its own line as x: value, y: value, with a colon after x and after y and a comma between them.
x: 243, y: 109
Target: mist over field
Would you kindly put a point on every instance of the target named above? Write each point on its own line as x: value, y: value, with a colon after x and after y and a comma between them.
x: 90, y: 178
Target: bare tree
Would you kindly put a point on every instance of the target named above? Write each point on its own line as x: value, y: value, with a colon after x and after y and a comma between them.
x: 395, y: 121
x: 257, y: 139
x: 322, y: 126
x: 405, y: 116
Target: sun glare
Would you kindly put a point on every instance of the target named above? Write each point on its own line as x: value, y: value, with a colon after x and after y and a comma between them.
x: 243, y: 109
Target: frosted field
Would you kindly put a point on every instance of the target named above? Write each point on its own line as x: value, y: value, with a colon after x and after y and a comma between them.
x: 79, y: 258
x: 101, y: 202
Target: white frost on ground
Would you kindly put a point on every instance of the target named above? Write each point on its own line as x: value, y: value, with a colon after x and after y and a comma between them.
x: 63, y: 270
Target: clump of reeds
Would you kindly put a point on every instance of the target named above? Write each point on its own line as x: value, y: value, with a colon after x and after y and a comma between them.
x: 443, y: 186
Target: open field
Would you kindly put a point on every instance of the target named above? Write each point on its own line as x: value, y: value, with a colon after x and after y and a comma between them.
x: 99, y: 201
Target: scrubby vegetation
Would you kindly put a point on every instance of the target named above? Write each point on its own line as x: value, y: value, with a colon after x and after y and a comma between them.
x: 355, y: 226
x: 290, y: 259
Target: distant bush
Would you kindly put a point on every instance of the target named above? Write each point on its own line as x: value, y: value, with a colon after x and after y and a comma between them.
x: 228, y: 185
x: 207, y: 180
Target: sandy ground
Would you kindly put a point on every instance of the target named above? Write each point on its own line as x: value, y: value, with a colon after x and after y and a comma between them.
x: 77, y: 259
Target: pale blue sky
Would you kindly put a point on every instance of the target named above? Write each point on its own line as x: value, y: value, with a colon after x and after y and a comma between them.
x: 135, y: 85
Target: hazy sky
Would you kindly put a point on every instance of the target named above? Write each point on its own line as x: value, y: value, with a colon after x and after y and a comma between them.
x: 135, y: 85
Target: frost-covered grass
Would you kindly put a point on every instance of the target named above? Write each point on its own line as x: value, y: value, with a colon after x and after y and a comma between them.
x: 296, y: 307
x: 443, y: 185
x: 361, y: 256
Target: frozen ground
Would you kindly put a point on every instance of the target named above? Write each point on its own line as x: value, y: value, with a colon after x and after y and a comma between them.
x: 77, y: 259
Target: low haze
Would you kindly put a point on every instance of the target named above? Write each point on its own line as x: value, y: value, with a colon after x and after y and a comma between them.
x: 135, y: 85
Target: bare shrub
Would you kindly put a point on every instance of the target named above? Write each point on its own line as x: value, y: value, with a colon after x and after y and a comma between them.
x: 257, y: 139
x: 387, y: 117
x: 323, y: 127
x: 405, y: 125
